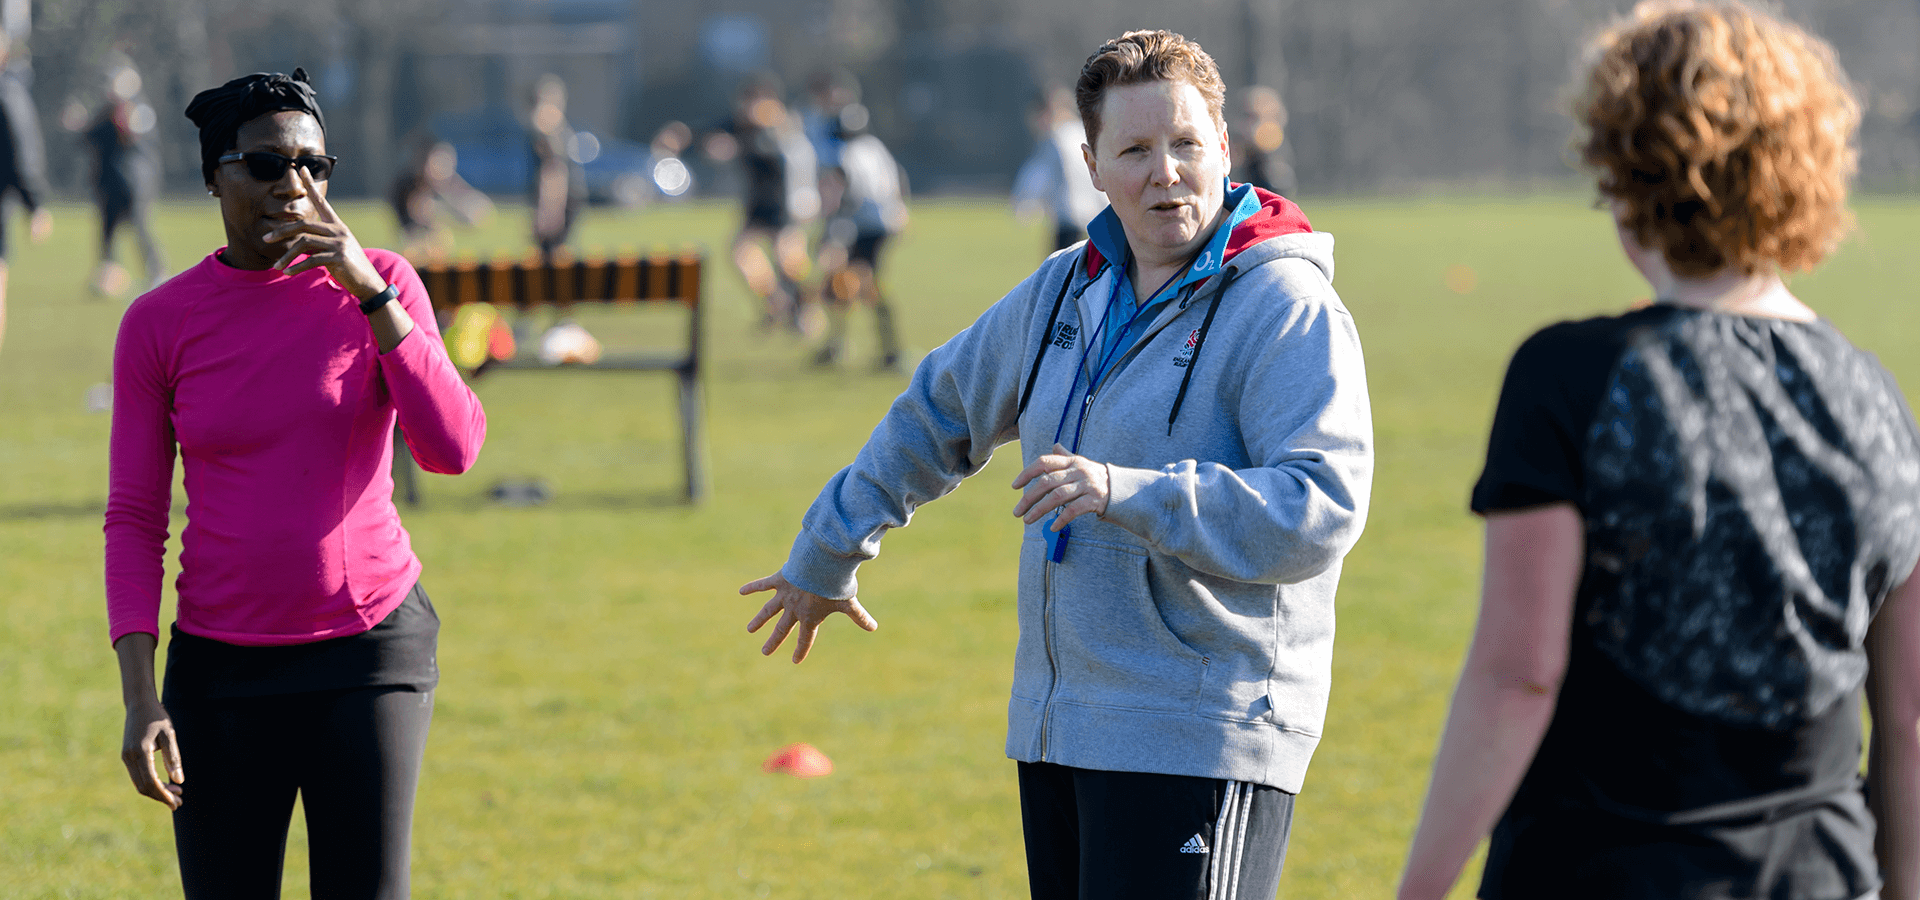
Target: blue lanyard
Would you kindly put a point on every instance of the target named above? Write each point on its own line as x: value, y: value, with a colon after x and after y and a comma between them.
x: 1108, y: 355
x: 1057, y: 540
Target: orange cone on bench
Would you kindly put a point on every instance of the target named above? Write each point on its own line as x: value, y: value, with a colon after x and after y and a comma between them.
x: 500, y: 344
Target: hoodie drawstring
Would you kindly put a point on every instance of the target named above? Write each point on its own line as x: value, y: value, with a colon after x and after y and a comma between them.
x: 1199, y: 340
x: 1227, y: 277
x: 1046, y: 339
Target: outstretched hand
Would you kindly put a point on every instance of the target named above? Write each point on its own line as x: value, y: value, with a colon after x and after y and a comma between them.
x: 1072, y: 484
x: 798, y: 608
x: 326, y: 241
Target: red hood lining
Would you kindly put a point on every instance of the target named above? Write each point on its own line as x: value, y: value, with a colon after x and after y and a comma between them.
x: 1276, y: 216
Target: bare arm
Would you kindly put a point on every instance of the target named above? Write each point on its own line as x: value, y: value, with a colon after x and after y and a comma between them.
x: 1507, y: 689
x: 1893, y: 760
x: 147, y: 728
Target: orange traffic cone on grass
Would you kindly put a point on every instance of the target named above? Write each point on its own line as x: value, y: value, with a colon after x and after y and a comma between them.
x: 800, y: 761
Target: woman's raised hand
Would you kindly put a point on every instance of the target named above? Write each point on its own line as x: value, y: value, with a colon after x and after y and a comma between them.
x: 326, y: 241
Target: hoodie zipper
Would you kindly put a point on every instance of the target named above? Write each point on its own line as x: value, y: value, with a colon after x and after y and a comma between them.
x: 1053, y: 667
x: 1046, y: 603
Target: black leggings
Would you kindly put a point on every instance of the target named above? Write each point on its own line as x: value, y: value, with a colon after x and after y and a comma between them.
x: 352, y: 756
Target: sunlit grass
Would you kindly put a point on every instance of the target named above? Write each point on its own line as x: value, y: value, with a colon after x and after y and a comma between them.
x: 603, y: 714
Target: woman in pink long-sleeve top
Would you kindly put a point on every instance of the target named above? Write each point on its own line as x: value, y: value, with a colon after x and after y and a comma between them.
x: 302, y: 652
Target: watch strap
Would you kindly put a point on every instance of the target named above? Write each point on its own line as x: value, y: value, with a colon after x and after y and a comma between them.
x: 376, y: 301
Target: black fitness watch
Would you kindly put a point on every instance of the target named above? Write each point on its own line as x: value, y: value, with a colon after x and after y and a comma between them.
x: 378, y: 300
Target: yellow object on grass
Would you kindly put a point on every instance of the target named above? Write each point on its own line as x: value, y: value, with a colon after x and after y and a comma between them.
x: 478, y: 332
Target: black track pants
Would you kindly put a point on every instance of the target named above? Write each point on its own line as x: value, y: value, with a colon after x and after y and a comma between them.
x: 1095, y: 835
x: 352, y: 756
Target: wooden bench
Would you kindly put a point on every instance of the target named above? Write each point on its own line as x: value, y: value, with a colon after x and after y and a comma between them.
x: 659, y: 278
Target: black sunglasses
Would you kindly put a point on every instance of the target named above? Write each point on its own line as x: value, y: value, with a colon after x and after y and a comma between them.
x: 271, y: 167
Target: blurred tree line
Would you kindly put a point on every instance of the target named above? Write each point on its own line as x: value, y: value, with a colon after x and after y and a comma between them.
x: 1383, y: 95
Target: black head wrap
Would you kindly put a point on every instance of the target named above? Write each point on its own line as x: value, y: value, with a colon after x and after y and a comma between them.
x: 219, y: 112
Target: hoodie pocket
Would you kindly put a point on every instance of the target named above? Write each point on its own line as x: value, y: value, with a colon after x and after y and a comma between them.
x: 1112, y: 646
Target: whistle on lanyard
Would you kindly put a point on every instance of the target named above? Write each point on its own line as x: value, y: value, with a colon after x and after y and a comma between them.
x: 1056, y: 540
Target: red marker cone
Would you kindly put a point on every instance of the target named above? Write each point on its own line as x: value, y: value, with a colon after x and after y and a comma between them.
x: 800, y: 761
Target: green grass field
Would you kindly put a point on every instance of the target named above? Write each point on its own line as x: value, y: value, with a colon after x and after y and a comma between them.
x: 603, y: 714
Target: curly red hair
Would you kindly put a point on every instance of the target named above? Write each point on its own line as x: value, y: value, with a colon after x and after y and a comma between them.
x: 1724, y: 135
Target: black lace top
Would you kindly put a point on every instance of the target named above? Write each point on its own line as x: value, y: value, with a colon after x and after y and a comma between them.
x: 1750, y: 489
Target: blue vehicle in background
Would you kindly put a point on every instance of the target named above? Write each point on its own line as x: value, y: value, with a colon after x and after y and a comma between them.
x: 494, y: 157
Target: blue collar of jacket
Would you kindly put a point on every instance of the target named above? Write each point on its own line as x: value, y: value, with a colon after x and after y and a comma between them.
x: 1110, y: 239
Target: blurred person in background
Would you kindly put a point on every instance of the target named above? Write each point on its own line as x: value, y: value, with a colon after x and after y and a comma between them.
x: 559, y: 186
x: 1702, y: 521
x: 1054, y: 181
x: 1262, y: 156
x: 126, y: 177
x: 1191, y: 405
x: 781, y: 194
x: 559, y: 190
x: 301, y: 661
x: 430, y: 181
x: 23, y: 161
x: 866, y: 191
x: 829, y: 92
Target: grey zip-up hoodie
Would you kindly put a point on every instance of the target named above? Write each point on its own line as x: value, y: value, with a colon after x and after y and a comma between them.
x: 1188, y: 631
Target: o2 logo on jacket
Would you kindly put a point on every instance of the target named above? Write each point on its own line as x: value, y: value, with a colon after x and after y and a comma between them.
x: 1065, y: 335
x: 1185, y: 357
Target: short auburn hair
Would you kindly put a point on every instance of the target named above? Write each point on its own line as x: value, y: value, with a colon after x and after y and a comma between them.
x: 1725, y: 136
x: 1142, y: 56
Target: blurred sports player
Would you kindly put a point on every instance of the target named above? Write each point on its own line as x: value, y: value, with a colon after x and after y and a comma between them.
x: 1054, y: 178
x: 867, y: 192
x: 780, y: 193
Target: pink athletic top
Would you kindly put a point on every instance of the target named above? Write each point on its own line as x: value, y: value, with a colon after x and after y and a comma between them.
x: 274, y: 393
